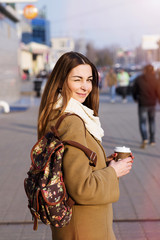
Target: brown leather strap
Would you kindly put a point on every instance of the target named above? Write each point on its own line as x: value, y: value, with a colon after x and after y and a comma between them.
x: 35, y: 225
x: 90, y: 154
x: 61, y: 119
x: 55, y: 128
x: 70, y: 202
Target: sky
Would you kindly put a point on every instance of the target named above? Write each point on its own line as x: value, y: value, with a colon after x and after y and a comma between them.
x: 103, y: 23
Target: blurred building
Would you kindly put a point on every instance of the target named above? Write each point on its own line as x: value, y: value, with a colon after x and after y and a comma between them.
x: 34, y: 57
x: 80, y: 46
x: 35, y: 44
x: 151, y: 47
x: 25, y: 30
x: 38, y: 31
x: 59, y: 46
x: 9, y: 44
x: 41, y: 31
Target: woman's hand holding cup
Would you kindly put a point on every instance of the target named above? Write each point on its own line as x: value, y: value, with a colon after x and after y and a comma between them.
x: 121, y: 161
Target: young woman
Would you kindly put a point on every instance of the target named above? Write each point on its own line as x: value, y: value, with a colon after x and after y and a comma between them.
x: 73, y: 87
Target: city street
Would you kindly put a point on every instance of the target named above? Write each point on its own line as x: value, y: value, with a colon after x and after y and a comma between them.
x: 56, y: 40
x: 136, y: 214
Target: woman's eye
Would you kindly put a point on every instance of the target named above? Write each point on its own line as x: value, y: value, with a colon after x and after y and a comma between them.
x: 76, y: 80
x: 90, y: 80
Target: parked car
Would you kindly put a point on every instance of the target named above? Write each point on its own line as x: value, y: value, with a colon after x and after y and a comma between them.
x: 39, y: 82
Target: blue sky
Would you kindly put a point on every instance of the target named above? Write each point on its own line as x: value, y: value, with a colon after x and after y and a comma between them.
x: 103, y: 22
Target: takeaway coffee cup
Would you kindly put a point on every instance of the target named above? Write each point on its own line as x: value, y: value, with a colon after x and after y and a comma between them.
x: 123, y: 152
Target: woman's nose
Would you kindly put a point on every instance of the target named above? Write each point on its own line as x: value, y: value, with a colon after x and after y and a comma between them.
x: 84, y: 85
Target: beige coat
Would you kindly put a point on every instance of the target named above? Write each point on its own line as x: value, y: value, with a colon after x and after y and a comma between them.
x: 93, y: 189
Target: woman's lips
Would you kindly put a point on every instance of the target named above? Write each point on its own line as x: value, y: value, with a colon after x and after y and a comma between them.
x: 82, y: 94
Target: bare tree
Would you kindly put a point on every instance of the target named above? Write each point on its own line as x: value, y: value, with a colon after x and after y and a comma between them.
x: 91, y: 53
x: 104, y: 57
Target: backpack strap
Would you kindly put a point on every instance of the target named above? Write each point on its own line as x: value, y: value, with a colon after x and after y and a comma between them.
x: 55, y: 128
x: 90, y: 154
x: 63, y: 116
x: 61, y: 119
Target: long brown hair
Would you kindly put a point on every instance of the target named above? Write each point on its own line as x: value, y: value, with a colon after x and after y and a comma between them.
x: 57, y: 83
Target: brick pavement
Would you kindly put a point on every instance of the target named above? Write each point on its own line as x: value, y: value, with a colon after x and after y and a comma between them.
x: 136, y: 214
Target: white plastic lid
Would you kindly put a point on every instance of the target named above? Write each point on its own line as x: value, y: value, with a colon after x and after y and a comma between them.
x: 122, y: 149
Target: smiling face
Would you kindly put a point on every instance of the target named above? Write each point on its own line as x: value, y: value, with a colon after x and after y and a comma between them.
x: 80, y: 82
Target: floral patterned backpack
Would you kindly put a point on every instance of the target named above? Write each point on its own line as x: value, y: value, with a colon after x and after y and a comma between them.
x: 47, y: 196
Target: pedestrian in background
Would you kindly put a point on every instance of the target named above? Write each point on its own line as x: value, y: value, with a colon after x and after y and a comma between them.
x: 111, y: 82
x: 123, y: 82
x: 73, y: 87
x: 145, y: 93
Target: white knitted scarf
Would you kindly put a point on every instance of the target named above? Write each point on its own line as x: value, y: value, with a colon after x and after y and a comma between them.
x: 92, y: 122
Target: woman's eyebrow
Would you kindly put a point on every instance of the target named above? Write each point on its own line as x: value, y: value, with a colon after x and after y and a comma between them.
x: 81, y: 77
x: 77, y: 76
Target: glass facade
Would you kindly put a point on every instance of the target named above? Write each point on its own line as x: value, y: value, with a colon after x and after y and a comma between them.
x: 40, y: 32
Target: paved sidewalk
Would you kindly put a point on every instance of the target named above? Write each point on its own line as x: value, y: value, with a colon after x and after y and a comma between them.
x: 136, y: 214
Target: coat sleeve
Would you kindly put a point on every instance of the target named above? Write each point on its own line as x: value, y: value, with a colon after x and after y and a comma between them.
x: 84, y: 184
x: 135, y: 91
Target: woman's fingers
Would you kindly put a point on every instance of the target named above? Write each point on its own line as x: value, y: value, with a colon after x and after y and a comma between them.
x: 122, y: 167
x: 128, y: 159
x: 112, y: 157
